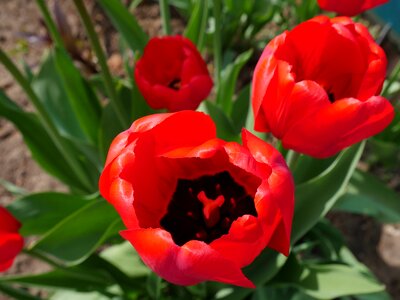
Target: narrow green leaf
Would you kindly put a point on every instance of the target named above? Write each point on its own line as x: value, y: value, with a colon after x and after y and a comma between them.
x: 75, y: 278
x: 40, y: 212
x: 74, y: 238
x: 42, y: 147
x: 224, y: 125
x: 226, y: 88
x: 367, y: 195
x: 16, y: 293
x: 135, y: 107
x: 51, y: 92
x: 82, y: 99
x: 317, y: 196
x: 240, y: 109
x: 197, y: 24
x: 125, y: 23
x: 308, y: 167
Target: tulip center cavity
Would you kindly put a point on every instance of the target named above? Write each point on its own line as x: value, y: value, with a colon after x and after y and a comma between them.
x: 175, y: 84
x: 204, y: 208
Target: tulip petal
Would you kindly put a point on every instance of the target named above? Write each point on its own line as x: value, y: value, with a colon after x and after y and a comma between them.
x: 10, y: 245
x: 7, y: 221
x: 190, y: 264
x: 275, y: 195
x: 245, y: 240
x: 340, y: 125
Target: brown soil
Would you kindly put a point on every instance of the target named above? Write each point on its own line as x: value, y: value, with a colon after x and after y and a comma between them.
x: 377, y: 246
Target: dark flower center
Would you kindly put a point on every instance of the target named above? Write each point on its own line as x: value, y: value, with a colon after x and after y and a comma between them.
x: 204, y: 208
x: 331, y: 96
x: 175, y: 84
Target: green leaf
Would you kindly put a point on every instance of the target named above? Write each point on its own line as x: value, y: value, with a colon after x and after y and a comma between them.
x: 73, y: 239
x: 108, y: 129
x: 367, y: 195
x: 154, y: 286
x: 43, y: 150
x: 263, y: 269
x: 124, y: 257
x: 197, y: 24
x: 51, y: 92
x: 125, y: 23
x: 40, y: 212
x: 229, y: 76
x: 308, y: 167
x: 16, y: 293
x: 135, y: 107
x: 317, y: 196
x: 240, y: 109
x: 224, y: 125
x: 68, y: 295
x: 326, y: 281
x: 272, y: 293
x: 82, y: 99
x: 383, y: 151
x: 76, y: 278
x: 375, y: 296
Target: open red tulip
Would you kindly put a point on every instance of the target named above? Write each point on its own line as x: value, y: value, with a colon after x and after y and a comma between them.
x: 196, y: 207
x: 349, y: 7
x: 315, y: 87
x: 172, y: 74
x: 11, y: 242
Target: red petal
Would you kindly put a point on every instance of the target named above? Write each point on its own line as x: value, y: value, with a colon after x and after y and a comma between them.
x: 244, y: 242
x: 263, y: 74
x: 190, y: 264
x: 10, y: 245
x: 7, y: 221
x: 339, y: 125
x: 275, y: 197
x: 349, y: 8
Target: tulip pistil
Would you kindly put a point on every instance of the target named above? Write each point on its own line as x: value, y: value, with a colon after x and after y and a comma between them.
x: 205, y: 208
x: 211, y: 208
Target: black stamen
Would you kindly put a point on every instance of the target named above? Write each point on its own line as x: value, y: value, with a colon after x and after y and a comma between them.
x: 185, y: 219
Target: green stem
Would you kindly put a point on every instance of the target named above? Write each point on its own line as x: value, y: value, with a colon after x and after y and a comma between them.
x: 217, y: 41
x: 51, y: 26
x: 106, y: 74
x: 63, y: 147
x: 164, y: 8
x: 292, y: 158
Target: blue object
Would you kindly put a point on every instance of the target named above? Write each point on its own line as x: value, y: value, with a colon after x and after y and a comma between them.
x: 390, y: 13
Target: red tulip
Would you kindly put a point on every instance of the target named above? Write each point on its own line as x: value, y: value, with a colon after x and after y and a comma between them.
x: 349, y: 7
x: 315, y: 87
x: 196, y: 207
x: 172, y: 74
x: 11, y: 242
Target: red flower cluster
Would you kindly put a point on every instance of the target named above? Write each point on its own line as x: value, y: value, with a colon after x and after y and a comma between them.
x: 196, y: 207
x: 11, y: 242
x: 172, y: 74
x: 349, y: 7
x: 315, y: 87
